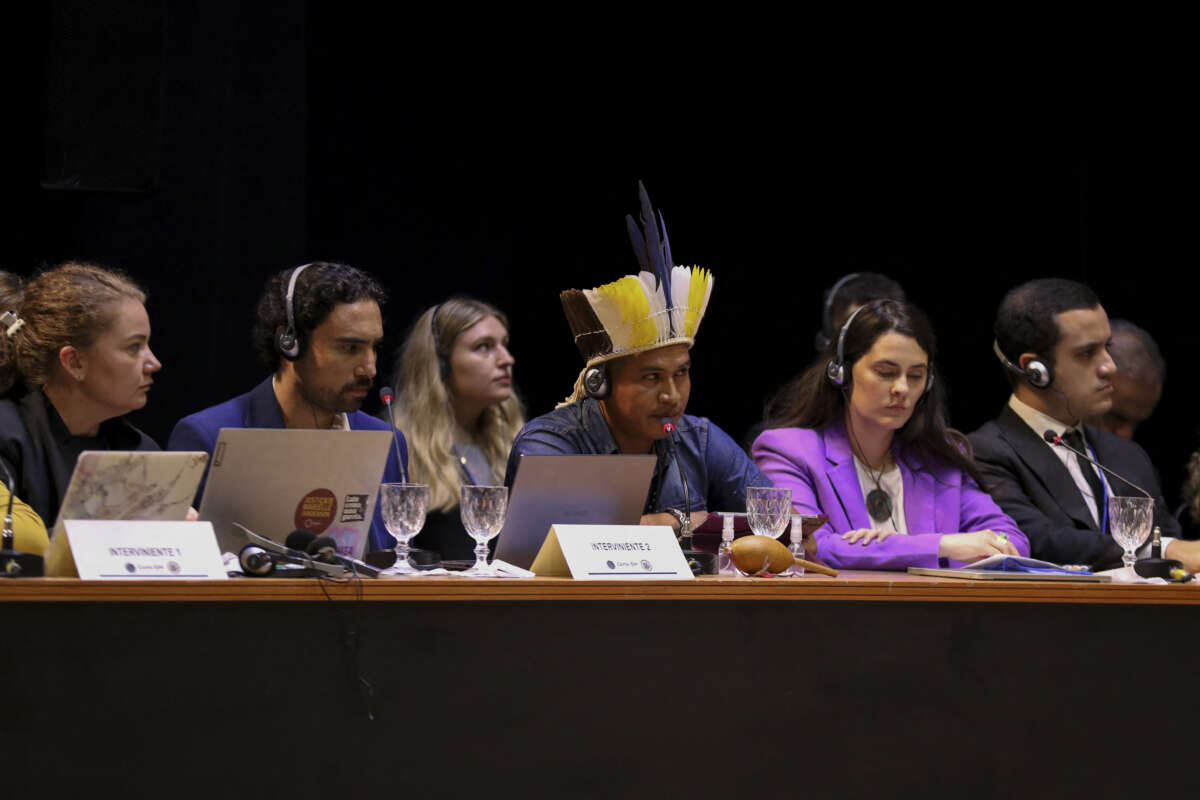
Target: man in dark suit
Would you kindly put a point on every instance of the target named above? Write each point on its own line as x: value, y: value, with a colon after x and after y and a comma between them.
x: 1052, y: 337
x: 317, y: 330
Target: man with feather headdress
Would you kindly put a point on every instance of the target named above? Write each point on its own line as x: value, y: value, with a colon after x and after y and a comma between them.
x: 636, y: 335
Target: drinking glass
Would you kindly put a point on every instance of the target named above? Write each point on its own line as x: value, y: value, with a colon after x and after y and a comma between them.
x: 403, y: 515
x: 1129, y: 519
x: 483, y: 509
x: 768, y: 509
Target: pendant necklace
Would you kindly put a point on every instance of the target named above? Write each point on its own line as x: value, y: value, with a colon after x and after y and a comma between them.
x: 879, y: 502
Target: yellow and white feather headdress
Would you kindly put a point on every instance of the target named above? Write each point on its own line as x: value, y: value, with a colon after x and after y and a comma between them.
x: 662, y: 305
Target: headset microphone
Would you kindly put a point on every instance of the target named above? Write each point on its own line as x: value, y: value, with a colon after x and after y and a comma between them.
x: 385, y: 394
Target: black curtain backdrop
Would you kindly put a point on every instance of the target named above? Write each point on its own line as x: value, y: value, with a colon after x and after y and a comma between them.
x: 312, y: 131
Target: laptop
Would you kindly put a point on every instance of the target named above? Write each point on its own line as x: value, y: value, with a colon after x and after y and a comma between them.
x: 571, y: 489
x: 119, y: 484
x: 274, y: 481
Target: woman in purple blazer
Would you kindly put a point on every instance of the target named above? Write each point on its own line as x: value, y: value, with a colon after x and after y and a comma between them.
x: 861, y: 436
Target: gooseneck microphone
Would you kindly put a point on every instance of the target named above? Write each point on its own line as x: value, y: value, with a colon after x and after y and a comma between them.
x: 386, y: 395
x: 1054, y: 439
x: 12, y: 563
x: 669, y: 429
x: 9, y: 537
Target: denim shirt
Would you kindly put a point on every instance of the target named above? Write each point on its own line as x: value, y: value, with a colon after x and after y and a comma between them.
x: 718, y: 471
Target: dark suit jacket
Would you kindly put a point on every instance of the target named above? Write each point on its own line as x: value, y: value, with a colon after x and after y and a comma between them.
x: 31, y: 438
x: 1034, y: 488
x: 258, y: 408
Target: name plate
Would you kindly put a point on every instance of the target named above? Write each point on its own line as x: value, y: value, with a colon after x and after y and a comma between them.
x: 107, y: 549
x: 612, y: 553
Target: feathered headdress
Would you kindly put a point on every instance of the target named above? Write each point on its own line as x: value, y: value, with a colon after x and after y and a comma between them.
x: 660, y: 306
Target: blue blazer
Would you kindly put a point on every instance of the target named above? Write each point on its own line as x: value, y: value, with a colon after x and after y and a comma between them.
x: 258, y: 408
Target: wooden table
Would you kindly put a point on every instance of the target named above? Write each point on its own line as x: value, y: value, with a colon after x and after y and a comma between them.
x: 870, y: 684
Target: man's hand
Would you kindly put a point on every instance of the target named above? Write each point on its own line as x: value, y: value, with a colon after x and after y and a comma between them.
x: 663, y: 518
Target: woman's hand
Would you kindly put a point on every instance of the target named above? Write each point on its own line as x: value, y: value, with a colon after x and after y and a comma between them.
x: 974, y: 546
x: 866, y: 535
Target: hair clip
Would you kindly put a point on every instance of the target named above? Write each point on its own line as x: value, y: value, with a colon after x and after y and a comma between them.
x: 11, y: 322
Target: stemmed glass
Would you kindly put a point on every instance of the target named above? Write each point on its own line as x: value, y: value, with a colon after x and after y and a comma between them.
x: 768, y: 509
x: 483, y: 509
x: 1129, y: 519
x: 403, y: 515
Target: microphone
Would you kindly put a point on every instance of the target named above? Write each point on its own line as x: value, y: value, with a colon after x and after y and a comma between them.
x: 385, y: 394
x: 14, y: 564
x: 9, y: 537
x: 324, y: 550
x: 669, y: 429
x: 1055, y: 439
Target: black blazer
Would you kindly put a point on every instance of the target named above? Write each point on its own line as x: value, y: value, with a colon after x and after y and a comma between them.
x: 30, y: 436
x: 1032, y: 486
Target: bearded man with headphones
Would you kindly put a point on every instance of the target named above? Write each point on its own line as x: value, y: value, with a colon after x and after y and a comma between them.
x: 317, y: 330
x: 1051, y: 338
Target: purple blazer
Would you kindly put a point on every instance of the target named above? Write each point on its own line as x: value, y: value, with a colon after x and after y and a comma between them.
x: 818, y: 466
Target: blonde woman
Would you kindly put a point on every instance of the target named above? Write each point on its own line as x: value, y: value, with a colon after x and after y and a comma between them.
x: 457, y: 405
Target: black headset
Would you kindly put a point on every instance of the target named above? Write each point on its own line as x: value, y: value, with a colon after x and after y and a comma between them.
x: 826, y: 333
x: 1039, y: 374
x: 443, y: 361
x: 287, y: 341
x: 596, y: 382
x: 835, y: 371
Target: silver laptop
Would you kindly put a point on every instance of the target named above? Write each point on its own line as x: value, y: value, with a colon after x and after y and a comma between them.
x: 120, y: 484
x: 571, y: 490
x: 275, y: 481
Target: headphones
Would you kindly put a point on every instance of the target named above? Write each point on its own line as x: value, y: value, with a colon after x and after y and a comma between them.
x: 824, y: 335
x: 287, y: 341
x: 835, y: 371
x: 443, y: 361
x: 596, y: 383
x: 1039, y: 374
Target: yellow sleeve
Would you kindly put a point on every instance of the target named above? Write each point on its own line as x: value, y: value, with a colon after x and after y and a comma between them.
x: 28, y: 528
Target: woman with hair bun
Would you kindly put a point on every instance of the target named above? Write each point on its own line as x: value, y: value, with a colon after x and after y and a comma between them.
x: 861, y: 436
x: 74, y: 359
x: 458, y: 408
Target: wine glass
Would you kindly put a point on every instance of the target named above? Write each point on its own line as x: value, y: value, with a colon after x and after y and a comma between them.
x: 403, y: 515
x: 483, y: 509
x: 1129, y: 519
x: 768, y: 509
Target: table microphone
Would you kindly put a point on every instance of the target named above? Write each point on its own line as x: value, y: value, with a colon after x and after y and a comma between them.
x: 1053, y: 438
x: 324, y: 550
x: 669, y: 429
x: 385, y: 394
x: 1153, y: 567
x: 14, y: 564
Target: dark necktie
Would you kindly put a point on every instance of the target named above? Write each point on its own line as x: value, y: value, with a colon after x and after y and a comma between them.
x: 1075, y: 439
